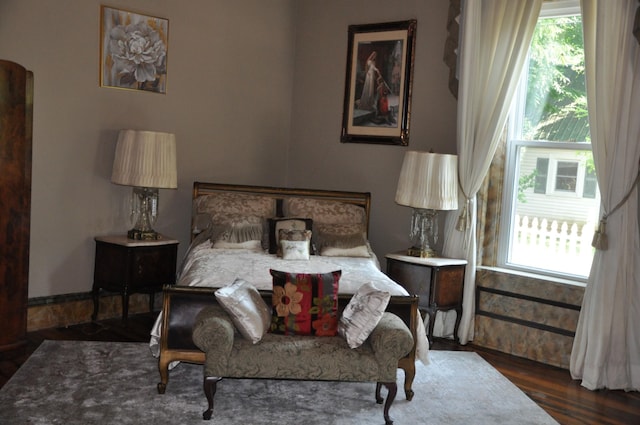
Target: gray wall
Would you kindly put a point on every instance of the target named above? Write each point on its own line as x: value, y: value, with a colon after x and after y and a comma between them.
x: 254, y: 93
x: 230, y: 67
x: 317, y: 158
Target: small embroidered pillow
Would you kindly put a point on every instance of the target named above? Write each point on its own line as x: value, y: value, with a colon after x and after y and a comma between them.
x: 294, y: 244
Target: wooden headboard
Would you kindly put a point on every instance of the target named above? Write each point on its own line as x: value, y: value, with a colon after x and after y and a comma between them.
x: 361, y: 199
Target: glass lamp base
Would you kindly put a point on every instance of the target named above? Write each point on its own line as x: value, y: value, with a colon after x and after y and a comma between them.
x: 143, y: 235
x: 422, y: 253
x: 424, y: 233
x: 144, y: 211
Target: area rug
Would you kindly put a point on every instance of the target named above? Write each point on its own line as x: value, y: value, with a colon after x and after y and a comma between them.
x: 71, y: 382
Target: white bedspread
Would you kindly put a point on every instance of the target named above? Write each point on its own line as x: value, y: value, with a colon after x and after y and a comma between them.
x: 216, y: 268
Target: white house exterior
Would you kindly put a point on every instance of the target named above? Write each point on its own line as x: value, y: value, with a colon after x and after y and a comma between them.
x: 577, y: 201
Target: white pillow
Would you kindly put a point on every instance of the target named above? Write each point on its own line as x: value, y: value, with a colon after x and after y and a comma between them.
x: 362, y: 314
x: 250, y: 245
x: 249, y: 312
x: 294, y: 250
x: 356, y: 251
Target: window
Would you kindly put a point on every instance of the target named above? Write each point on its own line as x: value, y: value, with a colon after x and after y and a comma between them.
x: 566, y: 176
x: 551, y: 195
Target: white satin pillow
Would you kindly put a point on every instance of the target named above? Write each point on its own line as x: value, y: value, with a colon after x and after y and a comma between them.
x: 362, y: 314
x: 249, y: 312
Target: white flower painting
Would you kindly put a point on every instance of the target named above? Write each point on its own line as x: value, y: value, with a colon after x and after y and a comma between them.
x: 133, y: 51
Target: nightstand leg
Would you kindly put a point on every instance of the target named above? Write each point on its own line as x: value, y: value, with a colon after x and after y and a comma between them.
x: 457, y: 325
x: 432, y: 319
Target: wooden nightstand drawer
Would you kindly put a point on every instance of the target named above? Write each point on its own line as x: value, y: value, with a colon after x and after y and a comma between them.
x: 448, y: 292
x: 153, y: 266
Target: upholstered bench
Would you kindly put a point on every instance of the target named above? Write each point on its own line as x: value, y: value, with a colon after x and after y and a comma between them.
x: 229, y: 355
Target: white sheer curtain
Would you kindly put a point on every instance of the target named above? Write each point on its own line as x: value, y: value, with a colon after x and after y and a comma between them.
x: 496, y: 35
x: 606, y: 349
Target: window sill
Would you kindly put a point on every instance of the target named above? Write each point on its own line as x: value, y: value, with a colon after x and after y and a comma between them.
x: 535, y: 276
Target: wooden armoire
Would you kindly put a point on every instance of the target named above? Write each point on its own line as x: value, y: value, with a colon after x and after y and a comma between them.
x: 16, y: 116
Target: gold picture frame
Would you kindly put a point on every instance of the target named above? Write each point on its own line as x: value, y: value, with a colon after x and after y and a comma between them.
x: 377, y: 99
x: 133, y: 50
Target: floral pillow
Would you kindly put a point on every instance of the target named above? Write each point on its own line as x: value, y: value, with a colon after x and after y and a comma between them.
x: 305, y: 303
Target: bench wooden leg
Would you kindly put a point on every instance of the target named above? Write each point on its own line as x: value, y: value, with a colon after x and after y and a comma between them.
x: 210, y: 385
x: 163, y: 367
x: 409, y: 368
x: 392, y: 390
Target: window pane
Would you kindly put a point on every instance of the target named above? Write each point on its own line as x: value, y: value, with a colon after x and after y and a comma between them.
x: 552, y: 231
x: 567, y: 176
x: 556, y: 104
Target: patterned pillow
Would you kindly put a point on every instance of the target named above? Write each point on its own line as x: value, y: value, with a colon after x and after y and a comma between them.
x: 305, y: 303
x: 361, y: 251
x: 325, y: 211
x: 362, y: 314
x: 238, y: 232
x: 341, y: 240
x: 248, y: 311
x: 294, y: 244
x: 290, y: 223
x: 225, y: 204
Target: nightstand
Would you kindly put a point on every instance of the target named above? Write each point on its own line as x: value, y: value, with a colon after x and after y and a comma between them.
x: 128, y: 266
x: 439, y: 282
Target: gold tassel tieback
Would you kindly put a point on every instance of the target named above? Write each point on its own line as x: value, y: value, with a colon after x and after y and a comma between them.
x: 600, y: 240
x: 461, y: 225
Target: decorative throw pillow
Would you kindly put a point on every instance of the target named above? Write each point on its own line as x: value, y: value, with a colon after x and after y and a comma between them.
x: 294, y: 244
x: 341, y: 240
x: 275, y: 224
x: 362, y: 314
x: 325, y: 211
x: 250, y: 245
x: 248, y: 311
x: 305, y: 303
x: 238, y: 232
x: 225, y: 204
x: 356, y: 251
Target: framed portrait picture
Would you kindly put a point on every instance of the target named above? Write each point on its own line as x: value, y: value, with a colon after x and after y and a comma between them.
x: 133, y: 50
x: 377, y: 99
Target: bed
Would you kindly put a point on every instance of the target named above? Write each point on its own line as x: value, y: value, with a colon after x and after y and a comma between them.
x: 234, y: 232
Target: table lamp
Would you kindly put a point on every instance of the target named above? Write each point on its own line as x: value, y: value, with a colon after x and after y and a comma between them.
x: 428, y: 183
x: 145, y: 160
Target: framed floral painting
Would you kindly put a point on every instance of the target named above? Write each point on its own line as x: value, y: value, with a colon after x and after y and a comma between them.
x: 133, y: 50
x: 377, y: 97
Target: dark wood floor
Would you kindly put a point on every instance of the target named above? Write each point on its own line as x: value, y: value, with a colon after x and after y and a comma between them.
x: 552, y: 388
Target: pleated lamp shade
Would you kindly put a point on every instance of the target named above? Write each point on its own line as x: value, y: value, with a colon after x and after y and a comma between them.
x: 428, y: 181
x: 145, y: 159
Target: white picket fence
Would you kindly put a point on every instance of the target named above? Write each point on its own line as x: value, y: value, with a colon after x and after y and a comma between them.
x: 560, y: 246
